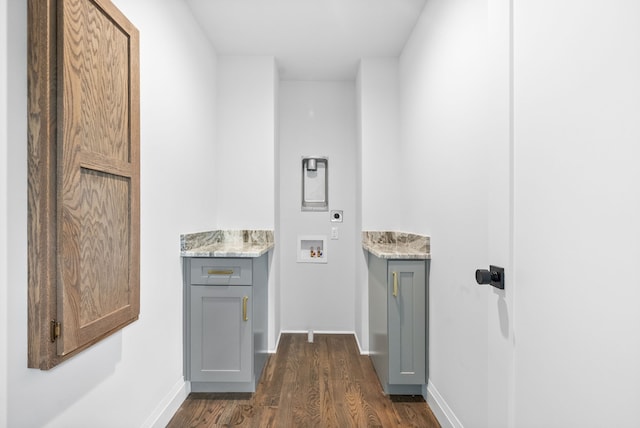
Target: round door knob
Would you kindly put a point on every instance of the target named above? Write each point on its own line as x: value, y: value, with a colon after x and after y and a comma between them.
x: 483, y: 276
x: 494, y: 276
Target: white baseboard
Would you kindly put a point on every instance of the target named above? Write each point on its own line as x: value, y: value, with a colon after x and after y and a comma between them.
x: 441, y: 409
x: 359, y: 346
x: 273, y: 351
x: 321, y: 332
x: 169, y: 405
x: 314, y: 332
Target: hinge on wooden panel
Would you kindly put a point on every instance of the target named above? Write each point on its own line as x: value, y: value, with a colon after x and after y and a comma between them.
x: 55, y: 330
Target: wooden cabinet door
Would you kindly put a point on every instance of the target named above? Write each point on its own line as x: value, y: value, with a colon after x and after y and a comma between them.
x: 407, y: 326
x: 221, y: 333
x: 98, y: 174
x: 84, y: 176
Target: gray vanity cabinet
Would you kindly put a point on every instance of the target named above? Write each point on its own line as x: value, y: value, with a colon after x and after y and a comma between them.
x: 398, y: 323
x: 225, y: 323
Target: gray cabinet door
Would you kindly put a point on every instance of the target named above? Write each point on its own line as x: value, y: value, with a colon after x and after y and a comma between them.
x: 406, y: 322
x: 221, y: 333
x: 378, y: 317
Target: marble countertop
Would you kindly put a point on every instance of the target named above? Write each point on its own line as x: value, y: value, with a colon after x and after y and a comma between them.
x: 226, y: 243
x: 397, y: 245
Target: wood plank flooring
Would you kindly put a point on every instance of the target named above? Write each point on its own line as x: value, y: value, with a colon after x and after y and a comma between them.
x: 322, y: 384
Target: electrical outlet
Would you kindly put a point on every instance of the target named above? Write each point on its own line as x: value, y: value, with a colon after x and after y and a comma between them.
x: 334, y: 232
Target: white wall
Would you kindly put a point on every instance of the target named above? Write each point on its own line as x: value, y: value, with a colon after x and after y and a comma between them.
x: 501, y: 314
x: 361, y: 292
x: 444, y: 107
x: 246, y: 142
x: 4, y: 59
x: 380, y: 128
x: 379, y: 171
x: 317, y: 118
x: 139, y: 370
x: 246, y: 155
x: 564, y: 140
x: 577, y: 151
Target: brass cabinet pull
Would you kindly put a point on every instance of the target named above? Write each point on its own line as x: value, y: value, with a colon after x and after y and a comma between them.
x: 395, y: 284
x: 220, y: 272
x: 245, y: 299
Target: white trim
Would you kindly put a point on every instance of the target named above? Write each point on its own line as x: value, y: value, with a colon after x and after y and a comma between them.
x: 273, y: 351
x: 4, y: 244
x: 169, y: 405
x: 315, y: 332
x: 359, y: 346
x: 441, y: 409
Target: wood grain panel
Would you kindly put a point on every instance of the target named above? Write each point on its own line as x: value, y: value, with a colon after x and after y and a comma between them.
x: 95, y: 206
x: 41, y: 197
x: 96, y: 60
x: 302, y: 386
x: 104, y: 245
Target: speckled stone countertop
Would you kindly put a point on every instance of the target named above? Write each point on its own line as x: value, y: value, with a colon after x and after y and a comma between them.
x: 397, y: 245
x: 226, y: 243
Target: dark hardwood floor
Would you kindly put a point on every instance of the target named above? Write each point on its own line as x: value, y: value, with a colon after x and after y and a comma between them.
x: 322, y: 384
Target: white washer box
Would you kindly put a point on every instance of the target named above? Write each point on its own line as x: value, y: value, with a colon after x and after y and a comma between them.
x: 312, y: 249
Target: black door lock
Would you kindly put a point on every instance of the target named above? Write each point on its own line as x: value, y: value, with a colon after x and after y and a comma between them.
x: 493, y: 276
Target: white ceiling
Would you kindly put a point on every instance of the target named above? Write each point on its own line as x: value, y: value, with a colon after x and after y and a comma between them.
x: 311, y: 39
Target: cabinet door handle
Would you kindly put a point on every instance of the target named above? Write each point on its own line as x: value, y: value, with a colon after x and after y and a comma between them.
x: 220, y: 271
x: 245, y: 299
x: 395, y: 284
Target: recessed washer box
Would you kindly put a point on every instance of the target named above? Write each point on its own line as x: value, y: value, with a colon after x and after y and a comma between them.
x: 312, y: 249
